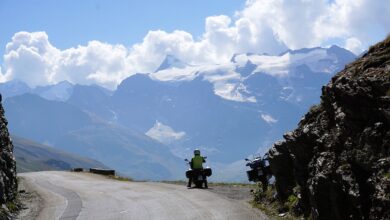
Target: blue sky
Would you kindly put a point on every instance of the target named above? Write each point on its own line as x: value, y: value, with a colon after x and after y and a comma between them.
x: 72, y: 22
x: 103, y: 42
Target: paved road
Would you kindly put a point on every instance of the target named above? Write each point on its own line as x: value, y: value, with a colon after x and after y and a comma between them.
x: 87, y: 196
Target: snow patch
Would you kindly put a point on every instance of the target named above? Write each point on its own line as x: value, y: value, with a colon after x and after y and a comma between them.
x: 164, y: 133
x: 318, y: 60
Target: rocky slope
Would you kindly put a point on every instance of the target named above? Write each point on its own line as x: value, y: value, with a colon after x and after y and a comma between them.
x: 8, y: 183
x: 337, y: 161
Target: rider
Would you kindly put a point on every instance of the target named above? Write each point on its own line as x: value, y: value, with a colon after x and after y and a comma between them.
x: 196, y: 164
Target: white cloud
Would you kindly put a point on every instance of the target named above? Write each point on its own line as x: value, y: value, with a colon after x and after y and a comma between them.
x: 31, y: 58
x: 97, y: 62
x: 164, y: 133
x: 268, y: 26
x: 268, y: 118
x: 354, y: 45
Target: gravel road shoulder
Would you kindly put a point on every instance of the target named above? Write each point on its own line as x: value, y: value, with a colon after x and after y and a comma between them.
x: 32, y: 202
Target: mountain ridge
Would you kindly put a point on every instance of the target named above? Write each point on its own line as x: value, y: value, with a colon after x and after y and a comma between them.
x: 229, y: 111
x: 32, y: 156
x: 71, y: 129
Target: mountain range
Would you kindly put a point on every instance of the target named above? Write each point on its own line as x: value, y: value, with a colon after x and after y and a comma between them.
x: 152, y: 121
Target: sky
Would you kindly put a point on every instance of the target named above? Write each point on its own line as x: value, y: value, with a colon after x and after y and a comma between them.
x: 44, y: 42
x: 73, y: 22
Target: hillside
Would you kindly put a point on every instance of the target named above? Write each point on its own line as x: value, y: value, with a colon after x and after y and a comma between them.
x: 73, y: 130
x: 337, y: 162
x: 32, y: 156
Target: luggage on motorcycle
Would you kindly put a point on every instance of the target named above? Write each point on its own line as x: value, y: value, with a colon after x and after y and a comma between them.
x: 189, y: 173
x: 252, y: 175
x: 207, y: 171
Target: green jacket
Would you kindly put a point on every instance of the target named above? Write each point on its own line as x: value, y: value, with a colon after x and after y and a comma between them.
x: 197, y: 162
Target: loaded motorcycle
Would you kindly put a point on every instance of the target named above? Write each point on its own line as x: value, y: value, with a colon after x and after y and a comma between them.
x: 198, y: 176
x: 259, y: 169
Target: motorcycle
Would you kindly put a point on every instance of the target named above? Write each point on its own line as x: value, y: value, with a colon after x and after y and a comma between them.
x: 259, y: 170
x: 198, y: 177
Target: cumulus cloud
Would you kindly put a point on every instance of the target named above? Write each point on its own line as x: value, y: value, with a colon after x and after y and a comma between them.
x: 30, y: 57
x: 97, y: 62
x: 354, y: 45
x: 307, y: 23
x: 262, y: 26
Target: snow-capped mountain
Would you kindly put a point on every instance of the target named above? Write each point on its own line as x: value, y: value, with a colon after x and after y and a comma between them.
x: 170, y: 62
x: 250, y: 101
x: 228, y: 110
x: 228, y: 78
x: 58, y: 92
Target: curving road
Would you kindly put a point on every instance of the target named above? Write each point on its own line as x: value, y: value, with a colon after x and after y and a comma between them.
x: 69, y: 195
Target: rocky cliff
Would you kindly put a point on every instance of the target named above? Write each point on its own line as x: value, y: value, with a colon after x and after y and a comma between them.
x: 8, y: 183
x: 337, y: 161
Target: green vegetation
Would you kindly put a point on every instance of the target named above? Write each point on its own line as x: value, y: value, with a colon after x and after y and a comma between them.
x: 121, y: 178
x: 292, y: 201
x: 11, y: 209
x: 386, y: 175
x: 267, y: 202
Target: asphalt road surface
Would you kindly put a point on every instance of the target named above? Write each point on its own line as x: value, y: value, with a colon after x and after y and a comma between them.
x: 69, y: 195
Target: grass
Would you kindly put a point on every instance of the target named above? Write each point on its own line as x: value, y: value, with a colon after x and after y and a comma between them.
x: 121, y: 178
x: 12, y: 206
x: 291, y: 202
x: 267, y: 202
x: 11, y: 210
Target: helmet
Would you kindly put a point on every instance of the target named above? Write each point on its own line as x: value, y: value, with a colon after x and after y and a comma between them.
x: 197, y: 152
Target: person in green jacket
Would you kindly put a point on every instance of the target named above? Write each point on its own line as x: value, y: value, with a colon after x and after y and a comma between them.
x: 196, y: 164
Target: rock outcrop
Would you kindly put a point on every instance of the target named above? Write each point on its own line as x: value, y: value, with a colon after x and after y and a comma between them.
x: 8, y: 182
x: 338, y: 157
